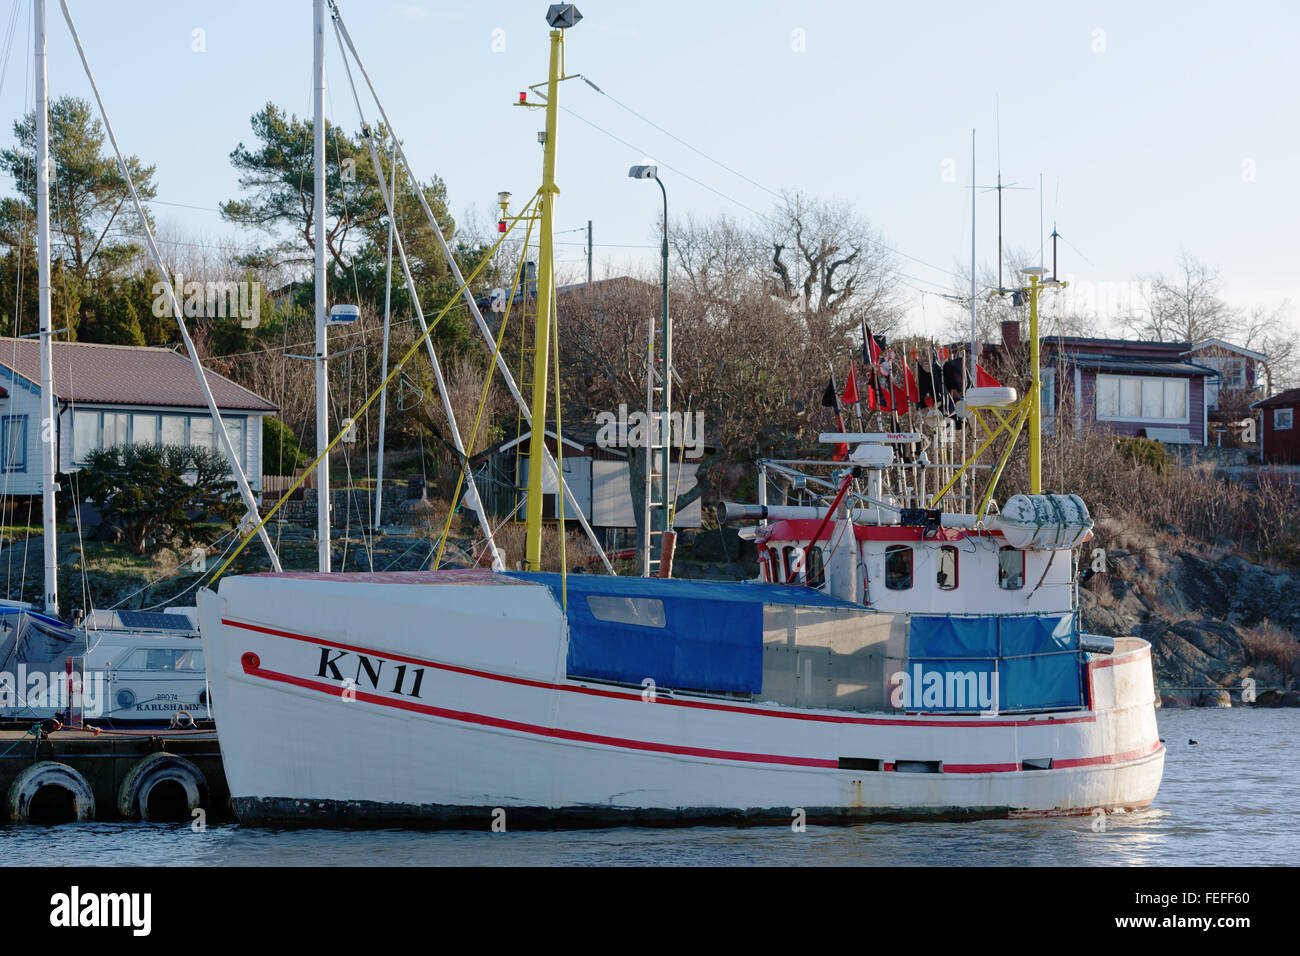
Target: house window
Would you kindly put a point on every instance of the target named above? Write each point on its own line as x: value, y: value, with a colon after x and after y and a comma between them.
x: 13, y: 443
x: 1231, y: 369
x: 1282, y: 419
x: 898, y: 567
x: 173, y: 429
x: 114, y: 429
x: 92, y: 430
x: 144, y: 429
x: 1047, y: 397
x: 1132, y: 398
x: 200, y: 431
x: 85, y: 434
x: 1011, y: 569
x: 947, y: 571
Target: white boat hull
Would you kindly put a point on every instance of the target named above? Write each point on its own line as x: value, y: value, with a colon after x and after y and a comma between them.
x: 457, y: 719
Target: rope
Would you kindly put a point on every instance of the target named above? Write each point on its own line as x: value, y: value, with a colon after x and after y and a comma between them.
x: 35, y: 729
x: 482, y: 402
x: 369, y: 401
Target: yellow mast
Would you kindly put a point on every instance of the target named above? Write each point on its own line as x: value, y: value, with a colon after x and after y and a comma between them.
x: 1035, y: 393
x: 560, y: 16
x: 1036, y: 285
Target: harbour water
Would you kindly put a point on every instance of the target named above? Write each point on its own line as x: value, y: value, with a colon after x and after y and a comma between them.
x: 1232, y: 798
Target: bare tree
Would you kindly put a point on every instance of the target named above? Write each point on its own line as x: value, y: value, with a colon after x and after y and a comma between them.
x: 1187, y: 306
x: 832, y: 265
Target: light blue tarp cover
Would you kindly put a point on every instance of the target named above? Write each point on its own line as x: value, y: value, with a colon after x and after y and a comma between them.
x: 1036, y: 659
x: 711, y: 636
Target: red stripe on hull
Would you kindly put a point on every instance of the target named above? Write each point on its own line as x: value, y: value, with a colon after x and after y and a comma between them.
x: 252, y: 666
x: 659, y: 699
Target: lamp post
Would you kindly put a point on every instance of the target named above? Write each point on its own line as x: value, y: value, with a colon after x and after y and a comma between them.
x: 666, y: 404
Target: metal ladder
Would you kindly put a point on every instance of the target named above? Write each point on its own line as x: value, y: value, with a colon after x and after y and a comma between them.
x: 658, y: 459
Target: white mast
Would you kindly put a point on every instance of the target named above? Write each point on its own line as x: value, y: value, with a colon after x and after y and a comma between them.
x: 218, y: 423
x: 383, y: 371
x: 48, y: 430
x: 318, y: 231
x: 973, y: 356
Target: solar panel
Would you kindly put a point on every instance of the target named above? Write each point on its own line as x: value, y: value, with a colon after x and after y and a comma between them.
x: 155, y: 620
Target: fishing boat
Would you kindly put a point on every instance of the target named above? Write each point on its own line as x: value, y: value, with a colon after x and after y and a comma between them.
x: 898, y: 658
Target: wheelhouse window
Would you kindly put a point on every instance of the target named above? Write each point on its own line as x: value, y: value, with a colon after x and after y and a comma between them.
x: 1011, y: 569
x: 946, y: 575
x: 816, y: 568
x: 898, y: 567
x: 790, y: 562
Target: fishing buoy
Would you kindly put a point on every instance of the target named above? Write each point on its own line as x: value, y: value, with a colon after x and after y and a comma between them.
x: 138, y: 786
x: 49, y: 775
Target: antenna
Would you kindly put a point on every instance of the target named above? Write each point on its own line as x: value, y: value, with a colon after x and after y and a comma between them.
x: 1040, y: 220
x: 999, y: 187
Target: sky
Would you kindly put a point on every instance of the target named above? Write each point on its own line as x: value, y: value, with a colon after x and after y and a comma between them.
x: 1154, y: 127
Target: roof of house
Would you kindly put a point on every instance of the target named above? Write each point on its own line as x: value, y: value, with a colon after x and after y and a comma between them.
x: 125, y: 375
x: 1228, y: 346
x: 1111, y: 363
x: 1281, y: 400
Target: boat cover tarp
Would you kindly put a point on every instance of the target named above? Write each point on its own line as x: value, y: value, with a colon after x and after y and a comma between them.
x: 699, y: 635
x: 27, y: 637
x: 1036, y: 658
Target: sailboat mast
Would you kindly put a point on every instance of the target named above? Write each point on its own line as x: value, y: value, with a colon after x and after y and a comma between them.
x: 971, y: 369
x: 318, y: 232
x: 542, y: 336
x: 383, y: 369
x: 48, y: 431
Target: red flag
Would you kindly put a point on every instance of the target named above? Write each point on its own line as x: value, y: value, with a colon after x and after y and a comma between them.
x: 850, y: 396
x: 983, y: 379
x: 905, y: 389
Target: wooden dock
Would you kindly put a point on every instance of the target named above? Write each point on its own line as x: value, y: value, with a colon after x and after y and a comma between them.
x: 57, y: 775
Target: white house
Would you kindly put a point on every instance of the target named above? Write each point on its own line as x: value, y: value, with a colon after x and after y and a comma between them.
x: 111, y: 394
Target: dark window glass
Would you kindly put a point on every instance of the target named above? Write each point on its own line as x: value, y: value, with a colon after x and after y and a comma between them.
x: 947, y: 573
x: 898, y: 567
x: 816, y: 570
x: 1011, y: 569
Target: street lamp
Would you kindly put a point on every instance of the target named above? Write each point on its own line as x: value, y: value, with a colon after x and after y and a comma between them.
x: 652, y: 172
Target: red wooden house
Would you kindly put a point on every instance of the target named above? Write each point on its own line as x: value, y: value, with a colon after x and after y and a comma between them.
x: 1280, y: 428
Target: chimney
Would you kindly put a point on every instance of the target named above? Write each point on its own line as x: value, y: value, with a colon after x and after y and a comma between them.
x: 1011, y: 334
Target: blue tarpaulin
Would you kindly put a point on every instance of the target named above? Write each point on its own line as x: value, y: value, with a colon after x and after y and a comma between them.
x: 1036, y: 659
x: 699, y: 635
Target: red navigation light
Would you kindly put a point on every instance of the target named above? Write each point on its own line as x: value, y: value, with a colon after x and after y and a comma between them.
x: 501, y: 225
x: 523, y: 96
